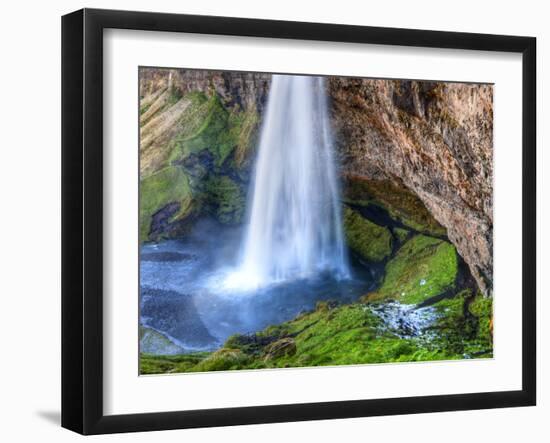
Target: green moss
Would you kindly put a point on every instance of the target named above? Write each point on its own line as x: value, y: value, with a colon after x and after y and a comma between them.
x: 453, y: 328
x: 422, y: 268
x: 144, y: 108
x: 247, y: 128
x: 482, y: 308
x: 159, y: 189
x: 204, y: 125
x: 163, y: 364
x: 222, y: 360
x: 227, y: 198
x: 401, y: 204
x: 463, y: 326
x: 343, y: 335
x: 207, y: 125
x: 191, y: 122
x: 174, y: 96
x: 401, y: 234
x: 370, y: 241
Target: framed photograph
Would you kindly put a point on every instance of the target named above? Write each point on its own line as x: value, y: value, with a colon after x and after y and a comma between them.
x: 269, y: 221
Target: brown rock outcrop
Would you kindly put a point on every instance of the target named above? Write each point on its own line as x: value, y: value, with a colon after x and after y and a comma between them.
x: 436, y: 139
x: 245, y: 90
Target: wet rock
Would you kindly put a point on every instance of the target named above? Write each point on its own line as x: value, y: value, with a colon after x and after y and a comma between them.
x: 176, y: 316
x: 406, y: 321
x: 165, y: 203
x: 169, y: 221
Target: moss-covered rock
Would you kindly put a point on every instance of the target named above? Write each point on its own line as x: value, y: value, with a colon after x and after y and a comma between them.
x: 158, y: 190
x: 464, y: 324
x: 482, y: 308
x: 402, y: 205
x: 401, y: 234
x: 370, y: 241
x: 280, y: 348
x: 248, y: 124
x: 193, y: 151
x: 206, y: 129
x: 422, y: 268
x: 208, y: 126
x: 227, y: 199
x: 222, y: 360
x: 168, y: 118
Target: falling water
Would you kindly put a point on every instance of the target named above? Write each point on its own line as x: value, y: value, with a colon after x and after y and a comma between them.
x: 294, y: 228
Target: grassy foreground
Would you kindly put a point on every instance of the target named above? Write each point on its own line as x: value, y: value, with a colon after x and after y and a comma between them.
x: 341, y: 335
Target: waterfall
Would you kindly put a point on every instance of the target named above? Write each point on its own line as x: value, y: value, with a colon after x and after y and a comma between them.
x: 294, y: 226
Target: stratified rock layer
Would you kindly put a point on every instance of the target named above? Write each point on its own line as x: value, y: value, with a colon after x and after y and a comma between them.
x: 436, y: 140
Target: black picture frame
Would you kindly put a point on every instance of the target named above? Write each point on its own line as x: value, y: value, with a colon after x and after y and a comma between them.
x: 82, y: 220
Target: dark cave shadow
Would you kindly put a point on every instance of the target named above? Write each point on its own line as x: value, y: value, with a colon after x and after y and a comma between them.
x: 53, y: 417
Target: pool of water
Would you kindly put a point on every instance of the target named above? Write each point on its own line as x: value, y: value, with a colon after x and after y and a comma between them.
x: 184, y: 298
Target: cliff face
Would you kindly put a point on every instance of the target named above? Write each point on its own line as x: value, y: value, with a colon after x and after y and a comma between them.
x: 433, y: 139
x: 243, y: 89
x: 170, y: 108
x: 198, y: 133
x: 416, y: 153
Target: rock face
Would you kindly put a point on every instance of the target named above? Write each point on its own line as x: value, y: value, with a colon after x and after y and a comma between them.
x: 198, y: 133
x: 433, y: 139
x: 244, y: 90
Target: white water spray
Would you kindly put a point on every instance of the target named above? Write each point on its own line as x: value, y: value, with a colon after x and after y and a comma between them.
x: 295, y: 228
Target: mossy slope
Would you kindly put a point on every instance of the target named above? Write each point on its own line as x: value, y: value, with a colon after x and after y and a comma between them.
x: 158, y: 190
x: 196, y: 153
x: 227, y: 198
x: 422, y: 268
x: 370, y: 241
x: 207, y: 126
x: 403, y: 206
